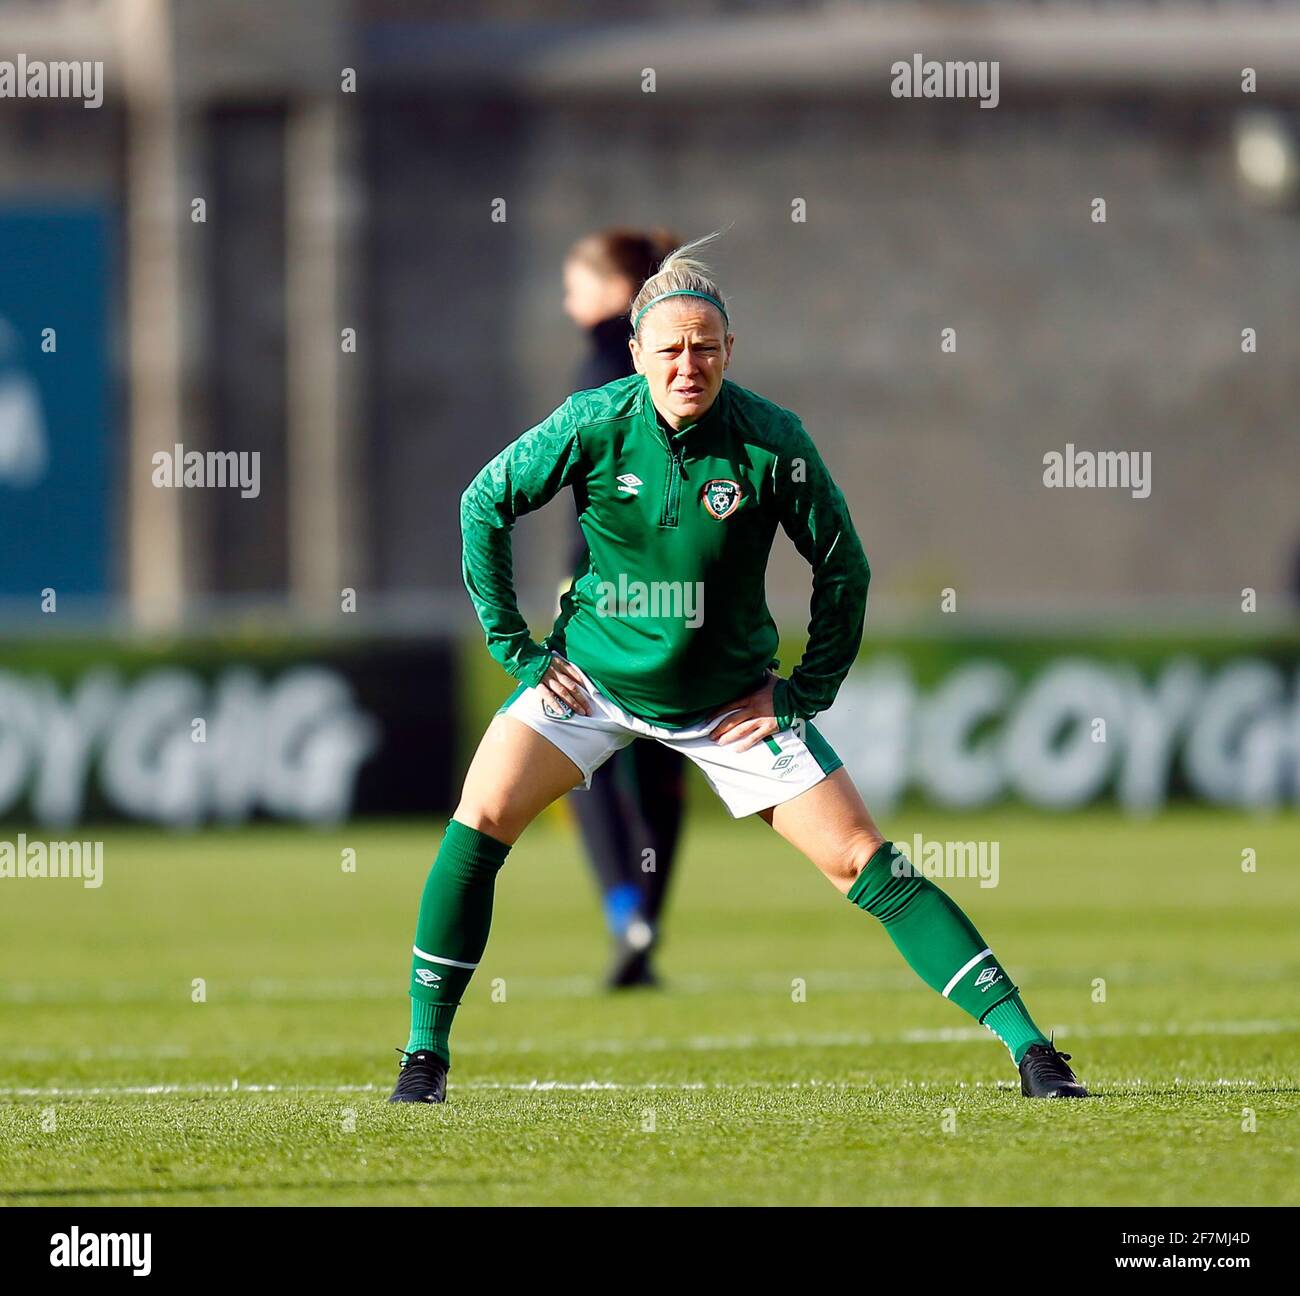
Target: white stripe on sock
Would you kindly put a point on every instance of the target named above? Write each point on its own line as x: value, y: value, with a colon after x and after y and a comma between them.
x: 947, y: 990
x: 993, y: 1030
x: 433, y: 958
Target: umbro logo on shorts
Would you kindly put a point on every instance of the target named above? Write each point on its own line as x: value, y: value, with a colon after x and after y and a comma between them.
x: 630, y: 483
x: 784, y: 763
x: 553, y: 711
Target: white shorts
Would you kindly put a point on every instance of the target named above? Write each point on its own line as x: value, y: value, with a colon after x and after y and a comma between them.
x: 772, y: 771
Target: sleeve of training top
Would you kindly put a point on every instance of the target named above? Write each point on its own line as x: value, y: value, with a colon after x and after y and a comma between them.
x: 816, y: 519
x: 525, y: 475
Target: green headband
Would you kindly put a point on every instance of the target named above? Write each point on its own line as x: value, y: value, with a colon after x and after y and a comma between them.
x: 680, y: 292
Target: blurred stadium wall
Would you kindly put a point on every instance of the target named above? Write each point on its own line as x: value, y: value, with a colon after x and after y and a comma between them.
x: 203, y: 240
x: 372, y: 210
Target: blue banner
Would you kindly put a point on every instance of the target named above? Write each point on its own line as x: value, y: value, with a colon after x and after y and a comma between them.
x: 56, y: 460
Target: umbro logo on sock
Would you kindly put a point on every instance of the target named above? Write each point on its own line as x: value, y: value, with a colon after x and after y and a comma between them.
x: 988, y: 977
x: 427, y: 978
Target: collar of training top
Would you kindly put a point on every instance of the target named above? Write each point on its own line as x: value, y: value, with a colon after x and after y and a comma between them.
x: 681, y: 437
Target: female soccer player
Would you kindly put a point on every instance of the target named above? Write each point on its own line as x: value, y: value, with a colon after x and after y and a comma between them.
x: 631, y: 814
x: 681, y: 479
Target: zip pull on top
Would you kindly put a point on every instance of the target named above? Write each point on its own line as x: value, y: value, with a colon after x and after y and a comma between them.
x: 672, y: 488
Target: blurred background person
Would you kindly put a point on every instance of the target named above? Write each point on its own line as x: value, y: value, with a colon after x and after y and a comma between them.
x: 23, y: 453
x: 631, y: 817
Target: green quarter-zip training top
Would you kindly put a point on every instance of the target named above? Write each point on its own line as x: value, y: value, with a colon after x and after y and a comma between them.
x: 670, y: 617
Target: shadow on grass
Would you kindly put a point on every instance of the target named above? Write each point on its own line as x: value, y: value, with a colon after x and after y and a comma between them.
x: 1192, y: 1090
x: 35, y: 1195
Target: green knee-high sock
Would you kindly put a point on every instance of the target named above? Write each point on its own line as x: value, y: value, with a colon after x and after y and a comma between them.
x: 452, y: 931
x: 942, y: 946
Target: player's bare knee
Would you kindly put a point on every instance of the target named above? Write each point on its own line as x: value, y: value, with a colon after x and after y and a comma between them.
x: 858, y: 854
x: 495, y: 823
x: 842, y: 868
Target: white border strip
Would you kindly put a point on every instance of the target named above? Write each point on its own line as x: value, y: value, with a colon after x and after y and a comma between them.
x: 965, y: 968
x: 433, y: 958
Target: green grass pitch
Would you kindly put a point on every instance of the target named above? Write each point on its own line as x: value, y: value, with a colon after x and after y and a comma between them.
x: 730, y: 1086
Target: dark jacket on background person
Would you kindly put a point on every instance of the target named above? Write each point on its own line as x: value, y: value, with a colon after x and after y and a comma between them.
x: 609, y: 357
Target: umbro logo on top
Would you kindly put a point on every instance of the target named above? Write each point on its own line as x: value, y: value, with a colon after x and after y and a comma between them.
x: 630, y: 484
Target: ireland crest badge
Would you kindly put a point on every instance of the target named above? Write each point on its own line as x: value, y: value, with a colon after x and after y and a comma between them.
x: 722, y: 497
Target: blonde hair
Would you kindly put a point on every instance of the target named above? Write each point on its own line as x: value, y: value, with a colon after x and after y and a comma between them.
x: 681, y: 271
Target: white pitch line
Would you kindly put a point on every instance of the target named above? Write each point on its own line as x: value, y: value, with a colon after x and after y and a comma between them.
x: 825, y: 980
x: 586, y: 1086
x: 865, y: 1039
x: 718, y: 1043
